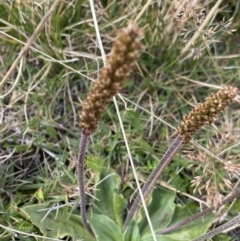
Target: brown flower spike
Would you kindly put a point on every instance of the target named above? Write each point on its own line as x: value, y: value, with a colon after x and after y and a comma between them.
x: 119, y: 64
x: 205, y: 112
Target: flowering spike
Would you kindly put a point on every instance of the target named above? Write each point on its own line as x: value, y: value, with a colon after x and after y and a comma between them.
x: 205, y: 112
x: 119, y: 64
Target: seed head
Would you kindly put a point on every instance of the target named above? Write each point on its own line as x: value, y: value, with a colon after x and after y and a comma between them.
x: 205, y: 112
x: 119, y: 63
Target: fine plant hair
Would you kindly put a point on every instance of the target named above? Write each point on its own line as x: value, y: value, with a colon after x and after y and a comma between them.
x: 119, y: 64
x: 80, y: 171
x: 202, y: 114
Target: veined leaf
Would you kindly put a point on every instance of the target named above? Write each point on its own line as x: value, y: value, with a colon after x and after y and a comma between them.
x: 132, y: 232
x: 105, y: 229
x: 109, y: 201
x: 188, y: 232
x: 56, y: 223
x: 161, y: 209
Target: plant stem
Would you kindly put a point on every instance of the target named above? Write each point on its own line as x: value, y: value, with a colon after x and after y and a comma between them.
x: 198, y: 215
x: 220, y: 229
x: 80, y: 172
x: 148, y: 186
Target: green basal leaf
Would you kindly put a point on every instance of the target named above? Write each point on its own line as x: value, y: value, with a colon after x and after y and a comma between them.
x: 188, y: 232
x: 149, y: 237
x: 56, y: 223
x: 132, y: 232
x: 109, y: 201
x: 105, y: 229
x: 195, y: 228
x: 222, y: 237
x: 160, y: 208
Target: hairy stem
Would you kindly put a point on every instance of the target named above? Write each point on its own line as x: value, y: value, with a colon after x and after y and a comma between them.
x: 198, y: 215
x: 220, y: 229
x: 80, y: 171
x: 148, y: 186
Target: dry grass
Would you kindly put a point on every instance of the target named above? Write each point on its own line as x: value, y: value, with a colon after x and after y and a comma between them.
x: 189, y: 50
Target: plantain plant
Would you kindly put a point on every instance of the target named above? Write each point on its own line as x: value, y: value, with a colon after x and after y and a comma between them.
x: 107, y: 213
x: 108, y: 218
x: 118, y: 67
x: 111, y: 78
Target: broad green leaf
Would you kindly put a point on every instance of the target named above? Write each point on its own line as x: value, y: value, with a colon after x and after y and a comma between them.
x: 132, y: 233
x: 193, y: 229
x: 105, y: 229
x: 109, y: 201
x: 161, y: 209
x: 149, y: 237
x: 56, y: 223
x: 188, y: 232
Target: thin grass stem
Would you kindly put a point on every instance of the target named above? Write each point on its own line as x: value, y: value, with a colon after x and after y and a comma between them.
x: 140, y: 195
x: 211, y: 14
x: 29, y: 42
